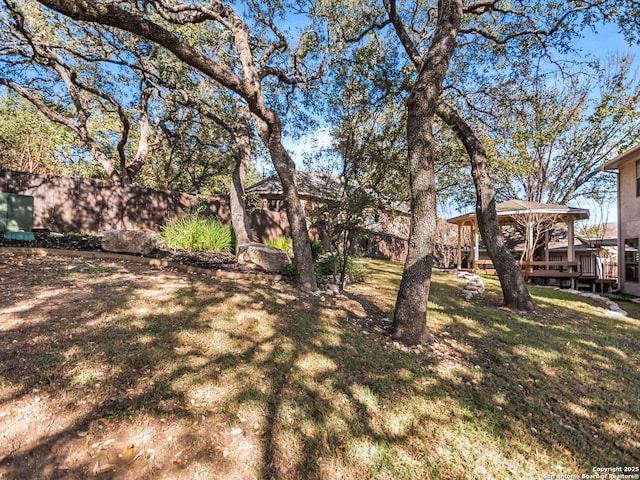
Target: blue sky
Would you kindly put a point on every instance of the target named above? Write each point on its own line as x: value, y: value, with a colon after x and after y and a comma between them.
x: 604, y: 42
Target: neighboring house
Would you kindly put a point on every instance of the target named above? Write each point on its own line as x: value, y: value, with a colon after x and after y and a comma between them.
x: 550, y: 252
x: 384, y: 235
x: 627, y: 165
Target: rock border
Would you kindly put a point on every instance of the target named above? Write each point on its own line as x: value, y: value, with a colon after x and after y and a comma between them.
x: 152, y: 262
x: 613, y: 309
x: 474, y: 285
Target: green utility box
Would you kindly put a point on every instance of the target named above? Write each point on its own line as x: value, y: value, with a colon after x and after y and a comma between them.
x: 16, y: 216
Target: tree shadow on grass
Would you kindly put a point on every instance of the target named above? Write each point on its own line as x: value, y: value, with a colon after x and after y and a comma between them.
x: 564, y: 379
x: 232, y: 379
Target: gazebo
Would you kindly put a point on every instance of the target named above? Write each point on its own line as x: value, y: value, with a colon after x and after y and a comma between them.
x: 529, y: 215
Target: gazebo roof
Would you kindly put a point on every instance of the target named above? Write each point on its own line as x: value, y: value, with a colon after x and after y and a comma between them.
x: 512, y: 208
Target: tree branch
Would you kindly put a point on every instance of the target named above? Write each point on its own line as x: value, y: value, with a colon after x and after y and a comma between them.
x: 110, y: 14
x: 403, y: 35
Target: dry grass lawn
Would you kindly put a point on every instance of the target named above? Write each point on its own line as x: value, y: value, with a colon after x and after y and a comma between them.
x: 114, y: 370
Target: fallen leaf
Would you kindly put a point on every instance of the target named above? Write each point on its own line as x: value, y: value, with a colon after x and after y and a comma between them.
x: 100, y: 469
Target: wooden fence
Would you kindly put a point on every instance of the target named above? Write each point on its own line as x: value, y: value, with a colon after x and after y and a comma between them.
x: 90, y: 206
x: 83, y: 205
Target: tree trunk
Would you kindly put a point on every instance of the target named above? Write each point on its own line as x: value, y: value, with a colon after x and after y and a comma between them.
x: 514, y: 289
x: 272, y: 137
x: 410, y: 316
x: 237, y: 204
x: 248, y: 87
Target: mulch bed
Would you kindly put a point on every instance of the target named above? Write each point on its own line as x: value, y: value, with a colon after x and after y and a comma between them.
x: 207, y: 260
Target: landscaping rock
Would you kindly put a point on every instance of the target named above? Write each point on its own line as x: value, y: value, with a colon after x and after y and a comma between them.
x: 333, y: 288
x: 270, y: 259
x: 474, y: 285
x: 612, y: 308
x: 129, y: 241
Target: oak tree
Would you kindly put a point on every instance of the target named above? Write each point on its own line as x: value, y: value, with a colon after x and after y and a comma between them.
x: 235, y: 62
x: 80, y: 89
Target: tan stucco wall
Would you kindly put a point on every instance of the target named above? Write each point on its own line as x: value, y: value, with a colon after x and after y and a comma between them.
x: 629, y: 218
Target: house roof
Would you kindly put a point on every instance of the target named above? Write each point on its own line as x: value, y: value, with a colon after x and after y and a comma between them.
x: 558, y: 240
x: 322, y: 184
x: 629, y: 155
x: 512, y: 208
x: 606, y: 234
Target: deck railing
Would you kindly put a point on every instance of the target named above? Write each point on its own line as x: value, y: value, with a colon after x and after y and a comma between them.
x: 559, y: 273
x: 542, y: 269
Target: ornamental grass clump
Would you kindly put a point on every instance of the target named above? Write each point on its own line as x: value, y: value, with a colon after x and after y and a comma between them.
x: 283, y: 243
x: 198, y: 234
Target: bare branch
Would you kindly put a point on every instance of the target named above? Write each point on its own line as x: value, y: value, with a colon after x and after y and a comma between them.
x: 535, y: 32
x: 403, y: 35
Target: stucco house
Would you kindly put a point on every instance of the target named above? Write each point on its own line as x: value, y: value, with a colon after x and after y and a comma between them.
x: 384, y: 235
x: 627, y: 165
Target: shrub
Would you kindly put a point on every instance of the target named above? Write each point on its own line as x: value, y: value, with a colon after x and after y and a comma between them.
x: 198, y: 233
x: 316, y: 248
x: 286, y: 244
x: 289, y: 271
x: 283, y: 243
x: 324, y: 268
x: 355, y: 270
x: 201, y: 209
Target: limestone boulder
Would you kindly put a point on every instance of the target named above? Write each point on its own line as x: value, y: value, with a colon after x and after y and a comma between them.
x: 270, y: 259
x: 129, y: 241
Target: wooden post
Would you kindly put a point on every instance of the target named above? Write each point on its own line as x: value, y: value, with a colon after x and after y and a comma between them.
x: 476, y: 246
x: 546, y: 246
x: 459, y: 260
x: 571, y: 248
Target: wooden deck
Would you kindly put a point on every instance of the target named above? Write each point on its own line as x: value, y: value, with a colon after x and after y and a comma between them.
x: 561, y: 274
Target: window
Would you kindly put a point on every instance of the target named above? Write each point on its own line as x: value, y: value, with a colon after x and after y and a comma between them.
x: 637, y: 178
x: 275, y: 205
x: 631, y: 258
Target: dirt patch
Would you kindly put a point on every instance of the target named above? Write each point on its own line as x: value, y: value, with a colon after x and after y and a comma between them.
x: 84, y: 390
x: 112, y: 369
